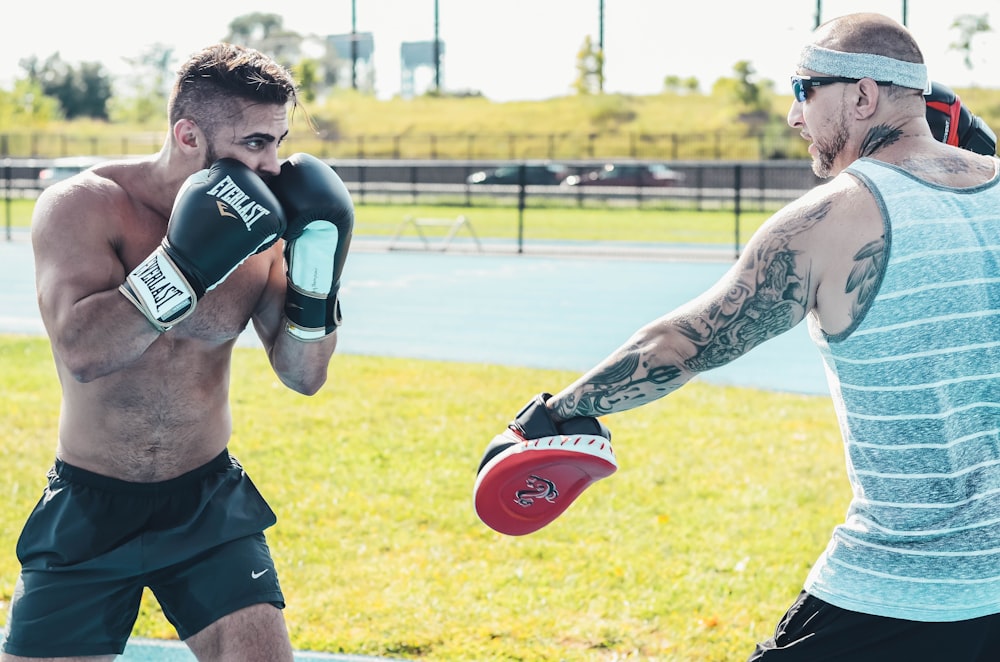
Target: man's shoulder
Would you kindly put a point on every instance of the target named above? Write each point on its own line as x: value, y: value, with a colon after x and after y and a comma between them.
x: 98, y: 183
x: 108, y: 182
x: 840, y: 195
x: 104, y: 199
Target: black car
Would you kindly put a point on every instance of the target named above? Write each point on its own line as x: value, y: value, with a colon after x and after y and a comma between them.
x: 534, y: 175
x: 627, y: 175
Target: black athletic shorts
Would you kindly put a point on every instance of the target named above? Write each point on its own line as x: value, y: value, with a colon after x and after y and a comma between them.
x: 816, y: 631
x: 93, y: 543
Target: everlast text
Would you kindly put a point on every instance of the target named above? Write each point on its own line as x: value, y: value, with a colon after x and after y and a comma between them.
x: 159, y: 286
x: 248, y: 209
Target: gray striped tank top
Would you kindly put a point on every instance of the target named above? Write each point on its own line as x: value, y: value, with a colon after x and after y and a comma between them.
x: 916, y: 388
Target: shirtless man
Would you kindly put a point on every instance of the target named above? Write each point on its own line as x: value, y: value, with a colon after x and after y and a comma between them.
x: 147, y: 271
x: 893, y: 264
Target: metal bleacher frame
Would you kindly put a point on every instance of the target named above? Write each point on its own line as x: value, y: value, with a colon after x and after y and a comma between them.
x: 453, y: 225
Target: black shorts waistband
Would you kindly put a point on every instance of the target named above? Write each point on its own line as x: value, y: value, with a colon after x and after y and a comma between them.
x: 222, y: 462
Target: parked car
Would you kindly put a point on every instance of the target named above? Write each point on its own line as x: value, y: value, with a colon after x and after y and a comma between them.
x: 627, y: 175
x: 534, y: 175
x: 65, y: 167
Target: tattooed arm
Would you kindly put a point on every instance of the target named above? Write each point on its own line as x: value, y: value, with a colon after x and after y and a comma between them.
x: 768, y: 291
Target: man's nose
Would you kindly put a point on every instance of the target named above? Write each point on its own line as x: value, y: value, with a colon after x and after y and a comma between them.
x: 269, y: 164
x: 794, y: 117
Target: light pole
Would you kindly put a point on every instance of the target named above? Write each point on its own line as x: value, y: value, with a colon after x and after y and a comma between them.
x: 354, y: 45
x: 819, y: 12
x: 437, y: 51
x: 600, y: 48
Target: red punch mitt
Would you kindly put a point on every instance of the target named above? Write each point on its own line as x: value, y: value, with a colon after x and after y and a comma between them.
x: 534, y: 470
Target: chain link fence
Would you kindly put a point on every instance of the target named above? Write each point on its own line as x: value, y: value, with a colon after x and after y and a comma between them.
x: 748, y: 145
x: 505, y: 215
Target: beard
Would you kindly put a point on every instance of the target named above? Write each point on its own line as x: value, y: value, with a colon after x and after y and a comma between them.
x: 210, y: 157
x: 827, y: 150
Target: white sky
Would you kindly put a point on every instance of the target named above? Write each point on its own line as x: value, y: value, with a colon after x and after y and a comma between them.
x: 509, y: 50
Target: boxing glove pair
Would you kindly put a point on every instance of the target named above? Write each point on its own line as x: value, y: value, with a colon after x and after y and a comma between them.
x: 225, y: 214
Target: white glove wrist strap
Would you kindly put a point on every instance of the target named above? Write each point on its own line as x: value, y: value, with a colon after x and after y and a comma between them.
x: 158, y: 289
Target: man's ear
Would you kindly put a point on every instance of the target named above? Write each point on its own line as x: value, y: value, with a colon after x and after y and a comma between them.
x: 868, y: 92
x: 188, y: 136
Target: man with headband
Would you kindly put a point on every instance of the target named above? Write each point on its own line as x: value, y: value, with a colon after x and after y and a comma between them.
x: 895, y: 265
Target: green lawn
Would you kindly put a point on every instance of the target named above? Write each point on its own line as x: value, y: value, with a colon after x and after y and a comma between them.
x: 692, y: 551
x: 539, y: 223
x: 667, y: 126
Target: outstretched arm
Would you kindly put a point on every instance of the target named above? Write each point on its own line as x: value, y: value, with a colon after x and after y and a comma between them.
x: 805, y: 260
x: 768, y: 291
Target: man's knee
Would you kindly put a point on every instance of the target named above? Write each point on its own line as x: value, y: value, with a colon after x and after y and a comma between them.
x: 257, y: 632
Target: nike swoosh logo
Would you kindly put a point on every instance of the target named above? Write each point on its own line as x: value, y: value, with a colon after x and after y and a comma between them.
x: 258, y: 575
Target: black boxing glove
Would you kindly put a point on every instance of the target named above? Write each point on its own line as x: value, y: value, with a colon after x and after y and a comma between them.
x: 534, y: 421
x: 222, y: 215
x: 320, y: 226
x: 953, y: 123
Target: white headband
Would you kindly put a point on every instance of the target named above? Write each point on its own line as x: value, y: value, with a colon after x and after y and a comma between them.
x: 865, y: 65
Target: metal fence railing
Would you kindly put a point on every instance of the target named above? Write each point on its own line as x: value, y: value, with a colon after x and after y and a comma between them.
x: 738, y: 144
x: 734, y: 188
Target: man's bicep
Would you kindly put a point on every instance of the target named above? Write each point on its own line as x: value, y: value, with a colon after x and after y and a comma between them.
x: 73, y: 260
x: 765, y: 293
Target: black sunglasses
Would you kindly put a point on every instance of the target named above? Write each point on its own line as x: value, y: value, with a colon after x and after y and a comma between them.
x: 802, y: 84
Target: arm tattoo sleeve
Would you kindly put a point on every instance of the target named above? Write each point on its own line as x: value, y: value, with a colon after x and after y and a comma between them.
x: 621, y: 382
x: 768, y: 296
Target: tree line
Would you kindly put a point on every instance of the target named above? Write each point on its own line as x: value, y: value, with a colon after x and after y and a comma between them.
x: 53, y: 89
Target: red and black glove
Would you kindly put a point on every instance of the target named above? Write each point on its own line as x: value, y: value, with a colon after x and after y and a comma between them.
x: 953, y: 123
x: 536, y: 468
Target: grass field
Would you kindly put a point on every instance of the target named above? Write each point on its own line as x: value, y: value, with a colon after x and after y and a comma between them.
x: 691, y: 552
x: 658, y: 126
x: 539, y: 224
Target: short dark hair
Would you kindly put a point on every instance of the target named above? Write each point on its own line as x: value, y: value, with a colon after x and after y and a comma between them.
x: 874, y: 34
x: 215, y: 83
